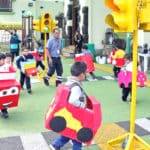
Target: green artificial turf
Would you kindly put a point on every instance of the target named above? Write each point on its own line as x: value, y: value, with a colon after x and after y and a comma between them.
x: 28, y: 117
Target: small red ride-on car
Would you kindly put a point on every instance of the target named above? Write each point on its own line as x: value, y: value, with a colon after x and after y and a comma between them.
x: 87, y: 59
x: 118, y: 62
x: 77, y: 123
x: 29, y: 67
x: 125, y: 79
x: 9, y: 89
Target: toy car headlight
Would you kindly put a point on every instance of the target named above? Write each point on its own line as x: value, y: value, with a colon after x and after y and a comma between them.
x: 13, y: 91
x: 9, y: 92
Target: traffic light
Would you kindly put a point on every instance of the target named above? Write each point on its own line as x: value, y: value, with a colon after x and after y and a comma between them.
x: 144, y: 16
x: 36, y: 25
x: 46, y: 22
x: 54, y: 24
x: 123, y: 18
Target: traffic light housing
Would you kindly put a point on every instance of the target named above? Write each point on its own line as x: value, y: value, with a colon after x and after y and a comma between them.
x: 123, y: 18
x: 54, y: 24
x: 144, y: 16
x: 36, y: 25
x: 46, y: 22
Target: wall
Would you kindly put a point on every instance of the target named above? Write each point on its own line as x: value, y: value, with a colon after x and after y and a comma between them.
x: 49, y: 6
x: 19, y: 5
x: 97, y: 13
x: 97, y: 26
x: 147, y: 38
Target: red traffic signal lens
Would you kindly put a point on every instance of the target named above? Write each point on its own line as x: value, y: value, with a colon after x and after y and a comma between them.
x: 46, y: 16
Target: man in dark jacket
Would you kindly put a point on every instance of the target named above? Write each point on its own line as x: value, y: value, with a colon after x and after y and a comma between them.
x: 14, y: 44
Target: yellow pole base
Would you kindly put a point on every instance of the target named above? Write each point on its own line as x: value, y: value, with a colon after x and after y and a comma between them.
x: 128, y: 142
x: 42, y: 74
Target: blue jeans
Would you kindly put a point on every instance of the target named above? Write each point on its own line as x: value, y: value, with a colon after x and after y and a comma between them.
x: 62, y: 140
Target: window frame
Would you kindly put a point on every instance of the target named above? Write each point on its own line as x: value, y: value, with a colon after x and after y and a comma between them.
x: 6, y: 6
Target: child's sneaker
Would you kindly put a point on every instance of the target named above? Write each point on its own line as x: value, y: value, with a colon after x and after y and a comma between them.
x: 5, y: 114
x: 46, y: 81
x: 29, y: 91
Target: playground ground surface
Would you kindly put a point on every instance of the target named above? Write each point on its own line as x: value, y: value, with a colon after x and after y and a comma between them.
x: 24, y: 129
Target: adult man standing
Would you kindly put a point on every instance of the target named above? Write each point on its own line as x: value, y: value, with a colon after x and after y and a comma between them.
x: 54, y: 52
x: 78, y: 40
x: 14, y: 44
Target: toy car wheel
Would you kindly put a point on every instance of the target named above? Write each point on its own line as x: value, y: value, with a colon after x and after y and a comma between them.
x: 122, y: 85
x: 84, y: 135
x: 58, y: 124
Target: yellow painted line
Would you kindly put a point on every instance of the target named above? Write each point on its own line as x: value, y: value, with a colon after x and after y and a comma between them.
x: 148, y: 83
x: 103, y: 68
x: 108, y: 132
x: 52, y: 79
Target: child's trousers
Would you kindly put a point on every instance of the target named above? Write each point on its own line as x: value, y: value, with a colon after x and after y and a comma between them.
x: 26, y: 79
x: 62, y: 140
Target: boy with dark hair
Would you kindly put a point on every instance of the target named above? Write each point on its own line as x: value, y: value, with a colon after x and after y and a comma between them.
x: 120, y: 46
x: 86, y: 51
x: 8, y: 61
x: 76, y: 98
x: 23, y: 77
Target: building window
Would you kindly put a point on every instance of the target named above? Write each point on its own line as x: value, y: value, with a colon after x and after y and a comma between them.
x: 5, y: 5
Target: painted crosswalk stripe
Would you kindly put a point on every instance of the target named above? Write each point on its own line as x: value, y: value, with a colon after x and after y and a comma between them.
x: 144, y: 123
x: 34, y: 142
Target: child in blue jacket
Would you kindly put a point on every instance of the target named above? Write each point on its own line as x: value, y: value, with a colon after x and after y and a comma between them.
x: 23, y: 77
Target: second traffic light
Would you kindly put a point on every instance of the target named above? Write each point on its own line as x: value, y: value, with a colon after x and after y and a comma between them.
x: 144, y: 16
x: 54, y: 24
x: 36, y: 25
x: 123, y: 18
x: 46, y: 22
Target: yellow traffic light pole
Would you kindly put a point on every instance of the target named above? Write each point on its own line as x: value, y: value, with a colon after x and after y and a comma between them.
x: 43, y: 73
x: 45, y: 25
x: 129, y: 140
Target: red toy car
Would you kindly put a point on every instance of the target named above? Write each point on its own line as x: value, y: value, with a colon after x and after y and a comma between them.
x: 29, y: 67
x: 77, y: 123
x: 37, y: 56
x: 109, y: 58
x: 9, y: 90
x: 141, y: 79
x: 87, y: 59
x: 125, y: 79
x: 118, y: 62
